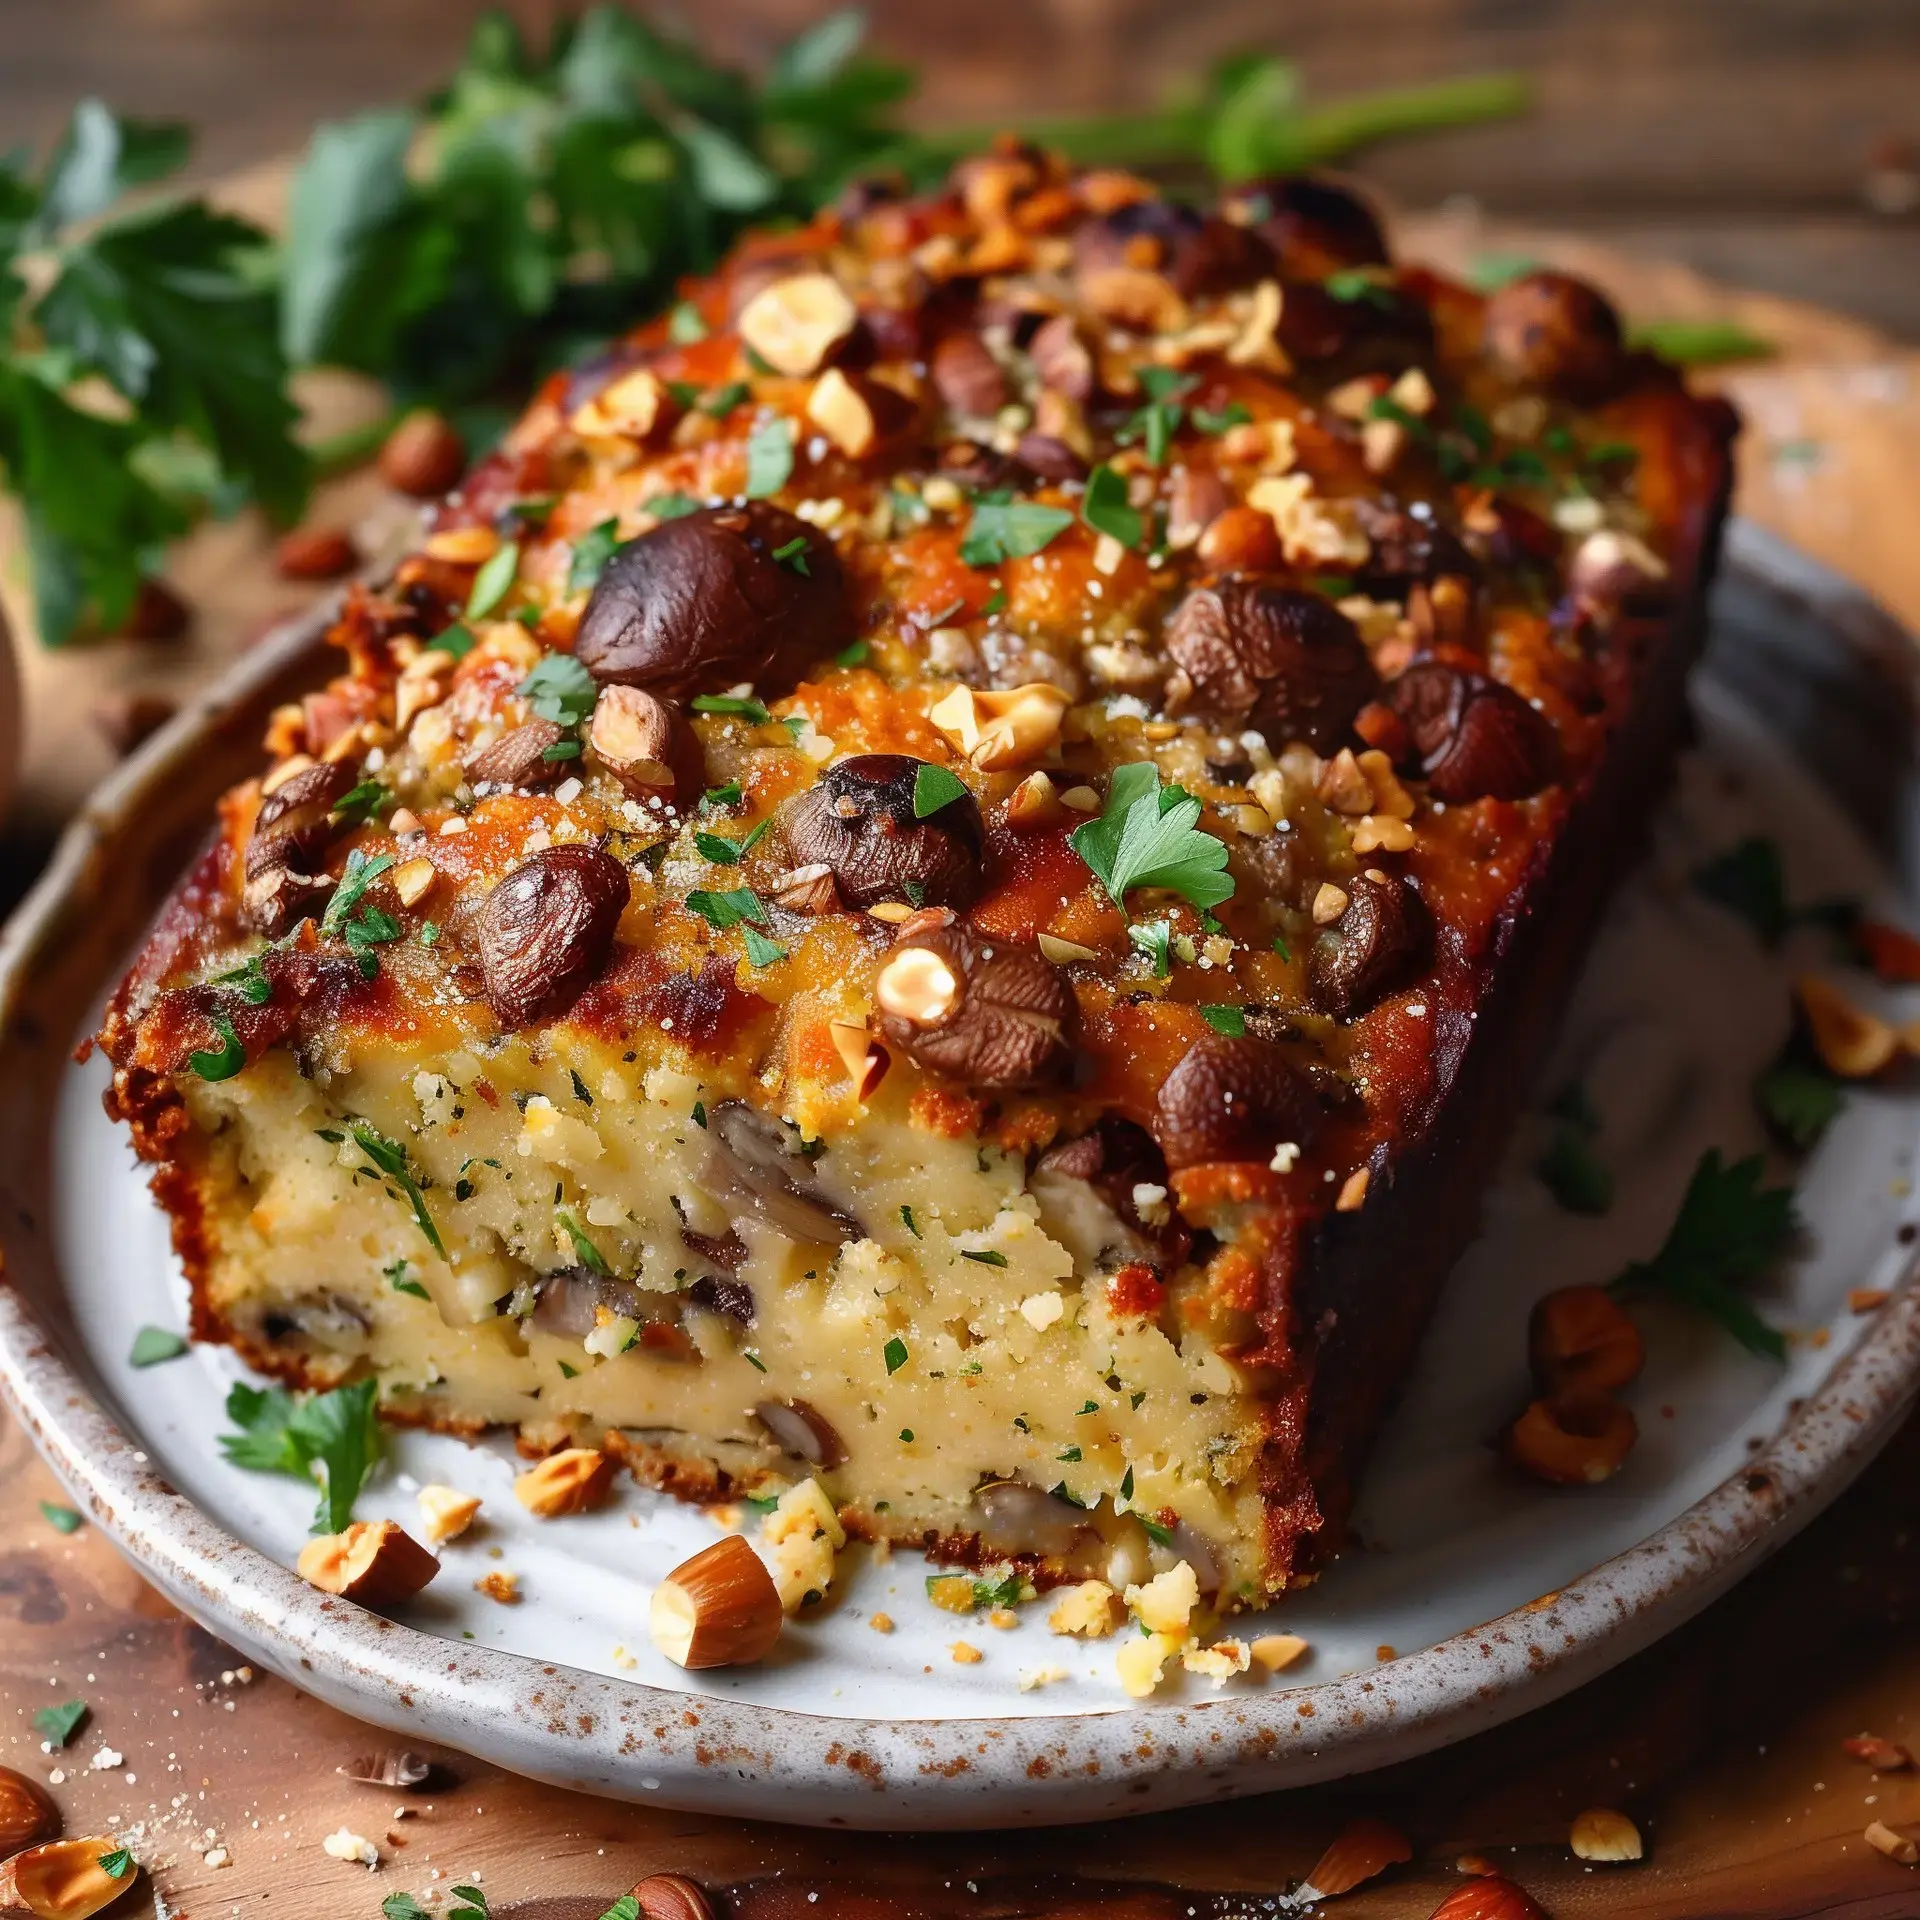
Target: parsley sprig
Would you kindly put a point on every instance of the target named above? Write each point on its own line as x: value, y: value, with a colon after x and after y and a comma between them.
x: 1729, y: 1229
x: 1148, y: 836
x: 330, y: 1437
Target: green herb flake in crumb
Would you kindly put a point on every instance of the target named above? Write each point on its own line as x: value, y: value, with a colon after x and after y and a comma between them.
x: 152, y: 1345
x: 933, y: 788
x: 584, y: 1250
x: 1147, y: 836
x: 1729, y: 1229
x: 895, y: 1354
x: 560, y: 690
x: 906, y: 1435
x: 1232, y: 1021
x: 1126, y: 1485
x: 986, y: 1256
x: 1002, y: 529
x: 398, y: 1280
x: 61, y: 1519
x: 740, y: 706
x: 58, y: 1725
x: 761, y: 952
x: 591, y: 552
x: 722, y: 911
x: 753, y: 1360
x: 117, y: 1864
x: 490, y: 584
x: 230, y: 1058
x: 671, y: 506
x: 249, y: 980
x: 1105, y: 507
x: 769, y: 457
x: 389, y: 1157
x: 907, y: 1220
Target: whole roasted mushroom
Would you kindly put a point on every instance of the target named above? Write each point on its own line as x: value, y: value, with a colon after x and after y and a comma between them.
x: 1232, y: 1099
x: 990, y: 1014
x: 1314, y: 224
x: 1473, y: 738
x: 729, y: 593
x: 863, y: 821
x: 1378, y: 940
x: 1286, y: 660
x: 1552, y: 331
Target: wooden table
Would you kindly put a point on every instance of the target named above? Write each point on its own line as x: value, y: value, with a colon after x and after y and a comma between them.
x: 1724, y: 1742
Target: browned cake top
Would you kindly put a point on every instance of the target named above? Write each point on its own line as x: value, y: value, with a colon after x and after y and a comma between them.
x: 1091, y: 655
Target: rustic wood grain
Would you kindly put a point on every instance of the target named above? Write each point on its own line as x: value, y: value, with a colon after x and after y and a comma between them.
x: 1723, y: 1742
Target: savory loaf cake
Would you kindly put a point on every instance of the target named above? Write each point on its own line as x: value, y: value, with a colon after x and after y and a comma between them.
x: 945, y: 871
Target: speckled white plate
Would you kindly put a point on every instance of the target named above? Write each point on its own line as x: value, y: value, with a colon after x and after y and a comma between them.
x: 1497, y: 1595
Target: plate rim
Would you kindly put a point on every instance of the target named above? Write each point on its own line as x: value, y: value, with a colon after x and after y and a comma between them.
x: 630, y: 1739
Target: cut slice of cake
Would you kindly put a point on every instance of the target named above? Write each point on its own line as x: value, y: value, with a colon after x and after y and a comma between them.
x: 949, y: 885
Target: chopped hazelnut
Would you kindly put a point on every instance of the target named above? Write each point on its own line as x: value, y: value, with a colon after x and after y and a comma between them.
x: 795, y: 323
x: 448, y: 1512
x: 570, y: 1481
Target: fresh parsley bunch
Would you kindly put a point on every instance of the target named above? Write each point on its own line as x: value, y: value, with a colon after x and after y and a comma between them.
x: 542, y: 201
x: 141, y: 380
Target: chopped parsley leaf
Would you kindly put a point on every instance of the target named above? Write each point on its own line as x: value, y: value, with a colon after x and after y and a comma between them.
x: 117, y: 1864
x: 1232, y: 1021
x: 1797, y: 1097
x: 584, y: 1250
x: 670, y: 506
x: 737, y: 906
x: 61, y: 1519
x: 1126, y: 1485
x: 591, y: 552
x: 986, y: 1256
x: 154, y: 1345
x: 1354, y: 284
x: 769, y: 457
x: 1106, y: 510
x: 1699, y: 343
x: 361, y: 873
x: 907, y: 1220
x: 397, y: 1279
x: 58, y: 1725
x: 894, y: 1353
x: 389, y: 1157
x: 249, y: 981
x: 684, y: 324
x: 228, y: 1061
x: 761, y: 952
x: 330, y: 1437
x: 753, y: 1359
x: 1154, y: 938
x: 1233, y: 414
x: 560, y: 690
x: 933, y: 788
x: 364, y: 802
x: 490, y: 584
x: 741, y: 706
x: 794, y: 555
x: 1147, y: 836
x: 456, y: 640
x: 852, y: 655
x: 1729, y: 1228
x: 1573, y: 1173
x: 1010, y: 530
x: 728, y: 853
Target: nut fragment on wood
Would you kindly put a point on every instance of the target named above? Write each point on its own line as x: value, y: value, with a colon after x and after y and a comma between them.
x: 671, y: 1896
x: 395, y: 1767
x: 570, y: 1481
x: 63, y: 1880
x: 374, y: 1562
x: 1896, y: 1846
x: 1493, y: 1897
x: 1885, y: 1756
x: 27, y: 1815
x: 719, y: 1609
x: 1360, y: 1851
x: 422, y: 456
x: 1604, y: 1834
x: 315, y: 553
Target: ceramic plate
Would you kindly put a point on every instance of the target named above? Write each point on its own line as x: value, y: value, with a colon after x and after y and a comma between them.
x: 1473, y: 1596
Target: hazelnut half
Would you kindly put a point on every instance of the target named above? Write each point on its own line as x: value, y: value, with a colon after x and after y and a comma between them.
x: 1581, y: 1345
x: 374, y: 1562
x: 719, y: 1609
x: 570, y: 1481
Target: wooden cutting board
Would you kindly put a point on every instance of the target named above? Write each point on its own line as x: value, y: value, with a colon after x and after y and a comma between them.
x: 1724, y: 1742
